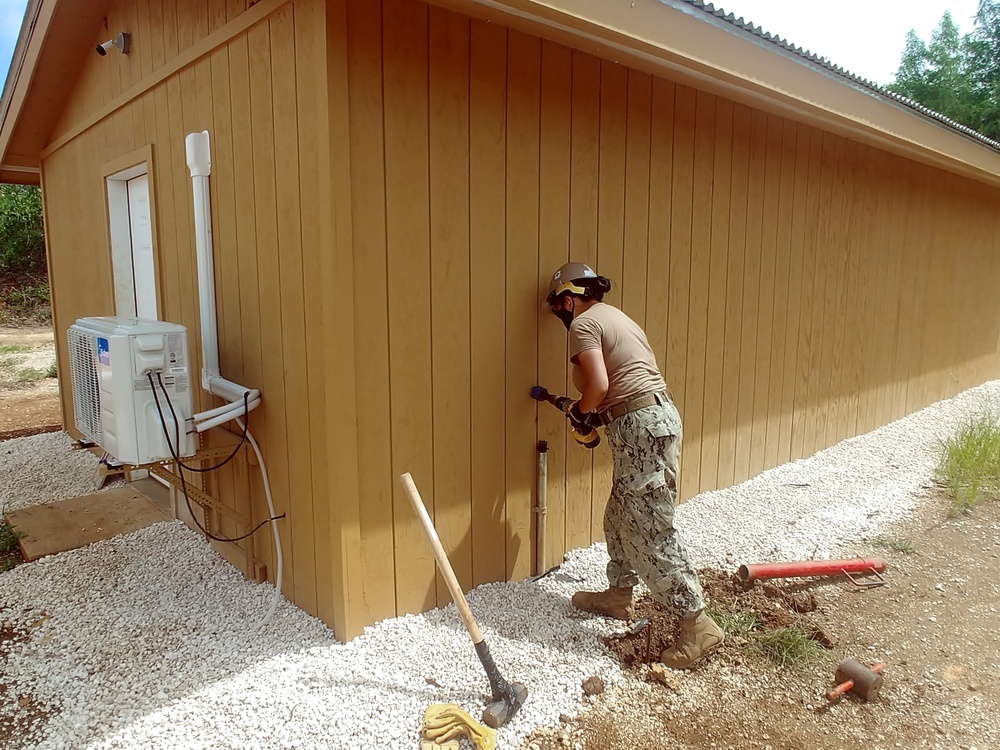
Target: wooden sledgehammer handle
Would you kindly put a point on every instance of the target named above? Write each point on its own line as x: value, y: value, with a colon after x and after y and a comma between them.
x: 444, y: 565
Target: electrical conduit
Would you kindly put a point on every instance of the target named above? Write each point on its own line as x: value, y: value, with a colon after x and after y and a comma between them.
x: 199, y: 161
x: 541, y: 509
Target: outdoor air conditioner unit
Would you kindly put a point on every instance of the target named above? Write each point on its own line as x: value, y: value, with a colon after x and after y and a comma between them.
x: 113, y: 361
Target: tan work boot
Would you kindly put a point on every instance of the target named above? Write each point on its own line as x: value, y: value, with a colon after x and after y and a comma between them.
x: 613, y: 602
x: 699, y: 637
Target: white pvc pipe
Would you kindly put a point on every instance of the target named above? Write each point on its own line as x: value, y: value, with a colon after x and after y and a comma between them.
x: 198, y: 149
x: 199, y: 160
x: 274, y: 528
x: 251, y: 395
x: 235, y: 413
x: 236, y: 407
x: 221, y: 387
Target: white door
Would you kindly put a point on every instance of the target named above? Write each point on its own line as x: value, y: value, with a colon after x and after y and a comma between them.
x: 132, y: 244
x: 141, y: 230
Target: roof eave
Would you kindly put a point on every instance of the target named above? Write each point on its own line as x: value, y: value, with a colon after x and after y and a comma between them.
x: 22, y: 168
x: 55, y: 37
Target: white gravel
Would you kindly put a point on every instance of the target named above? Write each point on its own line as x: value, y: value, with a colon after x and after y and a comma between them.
x: 146, y: 640
x: 45, y: 468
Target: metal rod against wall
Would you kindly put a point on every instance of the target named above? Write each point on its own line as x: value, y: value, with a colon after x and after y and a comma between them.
x: 541, y: 508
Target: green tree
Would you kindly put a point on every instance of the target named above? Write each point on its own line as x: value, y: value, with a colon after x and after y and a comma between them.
x: 949, y: 91
x: 983, y: 63
x: 956, y: 76
x: 911, y: 78
x: 22, y: 234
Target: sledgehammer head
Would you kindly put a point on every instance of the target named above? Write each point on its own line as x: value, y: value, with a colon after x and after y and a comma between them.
x: 507, y: 698
x: 500, y: 711
x: 856, y: 678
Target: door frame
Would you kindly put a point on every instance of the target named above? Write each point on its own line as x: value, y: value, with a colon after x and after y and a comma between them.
x: 115, y: 176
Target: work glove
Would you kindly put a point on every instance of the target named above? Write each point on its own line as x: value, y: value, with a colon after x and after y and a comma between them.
x: 426, y: 744
x: 444, y: 723
x: 583, y: 421
x: 581, y: 427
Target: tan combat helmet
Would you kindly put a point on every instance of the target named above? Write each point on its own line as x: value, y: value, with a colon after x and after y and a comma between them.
x: 568, y: 279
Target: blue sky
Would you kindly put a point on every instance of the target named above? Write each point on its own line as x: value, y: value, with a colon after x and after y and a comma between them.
x: 11, y: 15
x: 864, y: 36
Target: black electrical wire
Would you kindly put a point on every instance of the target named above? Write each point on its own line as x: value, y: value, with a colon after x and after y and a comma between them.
x: 243, y: 437
x: 180, y: 465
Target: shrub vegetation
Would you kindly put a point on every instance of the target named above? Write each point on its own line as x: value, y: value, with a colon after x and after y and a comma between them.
x: 24, y: 286
x: 969, y: 464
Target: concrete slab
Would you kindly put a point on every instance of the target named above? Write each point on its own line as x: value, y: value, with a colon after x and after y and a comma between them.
x: 56, y: 527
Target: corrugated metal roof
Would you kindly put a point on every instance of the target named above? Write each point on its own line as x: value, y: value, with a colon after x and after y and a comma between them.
x: 757, y: 31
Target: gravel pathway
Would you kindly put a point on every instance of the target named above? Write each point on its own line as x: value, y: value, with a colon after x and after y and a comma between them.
x: 147, y: 641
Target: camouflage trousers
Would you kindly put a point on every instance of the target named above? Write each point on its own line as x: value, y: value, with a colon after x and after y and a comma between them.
x: 639, y: 520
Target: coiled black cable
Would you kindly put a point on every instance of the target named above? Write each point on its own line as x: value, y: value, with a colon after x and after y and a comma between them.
x: 181, y: 466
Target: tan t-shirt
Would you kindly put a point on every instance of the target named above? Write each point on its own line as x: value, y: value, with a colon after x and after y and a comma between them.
x: 628, y: 357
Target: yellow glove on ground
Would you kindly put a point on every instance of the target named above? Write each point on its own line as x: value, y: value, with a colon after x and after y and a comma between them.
x: 444, y: 723
x: 432, y: 745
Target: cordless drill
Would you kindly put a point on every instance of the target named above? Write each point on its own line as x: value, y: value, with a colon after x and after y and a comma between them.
x: 584, y: 434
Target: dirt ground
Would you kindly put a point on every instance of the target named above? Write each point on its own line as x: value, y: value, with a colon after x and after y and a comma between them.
x: 935, y: 623
x: 29, y: 397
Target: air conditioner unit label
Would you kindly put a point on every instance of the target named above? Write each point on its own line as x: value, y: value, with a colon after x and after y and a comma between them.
x: 178, y: 382
x: 103, y: 351
x: 175, y: 350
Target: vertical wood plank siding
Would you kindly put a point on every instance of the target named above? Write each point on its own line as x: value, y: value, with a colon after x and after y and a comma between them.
x: 450, y: 294
x: 581, y: 246
x: 553, y: 251
x: 257, y: 97
x: 487, y: 289
x: 763, y: 256
x: 797, y: 288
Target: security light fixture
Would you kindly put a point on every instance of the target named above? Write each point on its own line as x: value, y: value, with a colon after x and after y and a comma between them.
x: 123, y: 42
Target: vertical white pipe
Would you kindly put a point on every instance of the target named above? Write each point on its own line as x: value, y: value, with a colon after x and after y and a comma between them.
x: 199, y: 161
x: 274, y: 528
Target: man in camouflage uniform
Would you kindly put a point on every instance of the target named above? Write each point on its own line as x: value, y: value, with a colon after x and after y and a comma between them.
x: 621, y: 387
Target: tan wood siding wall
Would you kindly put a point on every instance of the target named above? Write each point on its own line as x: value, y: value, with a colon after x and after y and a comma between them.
x: 798, y: 288
x: 262, y: 96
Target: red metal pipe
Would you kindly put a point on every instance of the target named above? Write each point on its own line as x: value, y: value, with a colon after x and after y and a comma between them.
x: 811, y: 568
